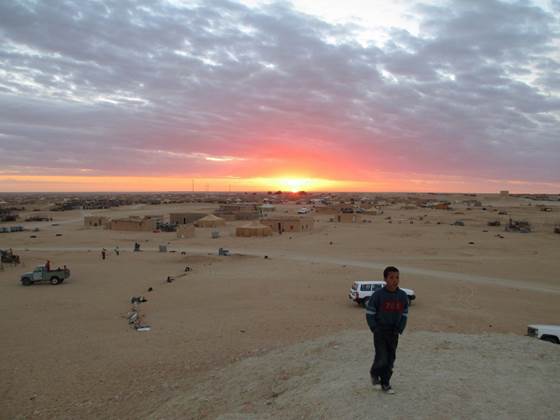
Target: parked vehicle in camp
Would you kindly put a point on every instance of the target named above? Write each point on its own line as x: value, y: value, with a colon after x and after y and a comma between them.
x: 41, y: 274
x: 361, y: 291
x: 545, y: 332
x: 7, y: 256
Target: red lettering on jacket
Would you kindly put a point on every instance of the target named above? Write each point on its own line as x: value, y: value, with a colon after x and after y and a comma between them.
x: 393, y: 306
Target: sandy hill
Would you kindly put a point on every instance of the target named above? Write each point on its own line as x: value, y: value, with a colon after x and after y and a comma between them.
x: 438, y: 376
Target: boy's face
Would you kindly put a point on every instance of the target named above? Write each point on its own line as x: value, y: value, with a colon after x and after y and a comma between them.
x: 392, y: 281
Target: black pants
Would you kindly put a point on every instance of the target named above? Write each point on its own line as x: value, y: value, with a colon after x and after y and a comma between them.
x: 385, y: 343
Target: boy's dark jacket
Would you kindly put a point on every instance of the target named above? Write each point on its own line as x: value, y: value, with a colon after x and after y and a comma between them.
x: 387, y: 310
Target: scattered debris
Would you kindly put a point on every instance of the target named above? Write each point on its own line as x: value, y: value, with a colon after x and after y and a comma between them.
x: 138, y: 299
x: 8, y: 257
x: 266, y: 257
x: 557, y: 229
x: 471, y: 243
x: 183, y: 253
x: 58, y: 234
x: 187, y: 268
x: 143, y: 328
x: 150, y: 289
x: 494, y: 223
x: 170, y: 279
x: 521, y: 226
x: 502, y: 212
x: 458, y: 223
x: 132, y: 317
x: 136, y: 247
x: 222, y: 252
x: 500, y: 236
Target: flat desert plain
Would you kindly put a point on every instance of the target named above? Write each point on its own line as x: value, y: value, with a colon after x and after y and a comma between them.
x: 246, y: 336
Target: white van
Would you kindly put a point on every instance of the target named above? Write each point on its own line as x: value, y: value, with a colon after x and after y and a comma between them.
x: 361, y: 291
x: 545, y: 332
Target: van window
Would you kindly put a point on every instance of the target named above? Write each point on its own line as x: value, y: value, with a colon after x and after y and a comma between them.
x: 366, y: 287
x: 377, y: 286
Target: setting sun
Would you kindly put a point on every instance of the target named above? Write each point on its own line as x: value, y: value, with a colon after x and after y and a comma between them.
x: 295, y: 184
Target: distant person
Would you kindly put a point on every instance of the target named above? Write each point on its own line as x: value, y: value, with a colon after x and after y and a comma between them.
x: 103, y: 253
x: 48, y: 265
x: 386, y: 315
x: 117, y: 251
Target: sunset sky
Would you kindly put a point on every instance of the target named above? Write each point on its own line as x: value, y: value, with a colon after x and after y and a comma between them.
x: 259, y: 95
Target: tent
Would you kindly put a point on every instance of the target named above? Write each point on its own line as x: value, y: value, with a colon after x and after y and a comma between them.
x: 254, y: 228
x: 210, y: 221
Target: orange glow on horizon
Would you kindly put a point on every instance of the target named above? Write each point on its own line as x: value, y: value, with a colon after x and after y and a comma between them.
x: 70, y: 183
x: 383, y: 182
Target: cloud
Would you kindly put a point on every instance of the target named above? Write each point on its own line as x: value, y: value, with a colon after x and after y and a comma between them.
x: 219, y: 88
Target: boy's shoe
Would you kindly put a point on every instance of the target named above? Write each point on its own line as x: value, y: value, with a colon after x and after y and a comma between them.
x: 376, y: 382
x: 387, y: 389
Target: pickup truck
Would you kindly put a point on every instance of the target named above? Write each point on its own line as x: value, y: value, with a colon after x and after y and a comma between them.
x: 41, y: 274
x: 545, y: 332
x: 361, y: 291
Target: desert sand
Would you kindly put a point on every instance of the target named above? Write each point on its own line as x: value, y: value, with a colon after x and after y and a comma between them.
x: 252, y: 337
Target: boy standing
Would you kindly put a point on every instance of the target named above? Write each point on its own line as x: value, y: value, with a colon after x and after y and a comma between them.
x: 386, y: 315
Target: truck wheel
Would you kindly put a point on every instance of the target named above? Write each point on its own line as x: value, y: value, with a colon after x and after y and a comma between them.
x: 26, y: 282
x: 55, y: 281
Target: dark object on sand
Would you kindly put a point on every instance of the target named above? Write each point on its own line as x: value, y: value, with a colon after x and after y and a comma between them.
x: 138, y: 299
x: 521, y: 226
x: 8, y: 257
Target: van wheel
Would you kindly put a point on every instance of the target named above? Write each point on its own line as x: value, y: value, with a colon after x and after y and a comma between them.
x: 55, y: 281
x: 550, y: 339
